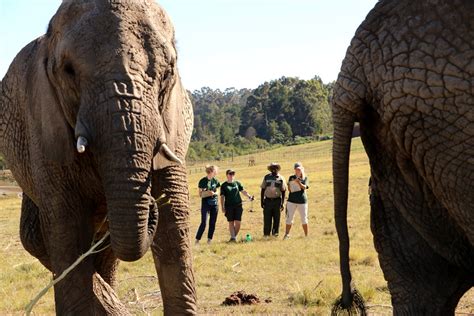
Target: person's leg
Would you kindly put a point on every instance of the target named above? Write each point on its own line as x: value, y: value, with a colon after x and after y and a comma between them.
x: 276, y: 218
x: 202, y: 227
x: 271, y: 221
x: 303, y: 209
x: 212, y: 222
x: 267, y: 218
x: 236, y: 227
x: 232, y: 230
x: 237, y: 218
x: 230, y: 214
x: 290, y: 213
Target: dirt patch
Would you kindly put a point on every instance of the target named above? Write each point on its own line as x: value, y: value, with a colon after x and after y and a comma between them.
x: 241, y: 298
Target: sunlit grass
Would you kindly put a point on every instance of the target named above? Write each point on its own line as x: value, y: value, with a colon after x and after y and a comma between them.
x: 299, y: 275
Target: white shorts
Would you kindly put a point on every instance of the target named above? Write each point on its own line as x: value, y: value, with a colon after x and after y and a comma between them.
x: 291, y: 209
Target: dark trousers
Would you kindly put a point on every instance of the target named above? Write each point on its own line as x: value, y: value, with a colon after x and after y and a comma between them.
x: 212, y: 211
x: 271, y: 213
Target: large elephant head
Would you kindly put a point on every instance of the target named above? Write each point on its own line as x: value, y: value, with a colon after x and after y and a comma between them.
x: 108, y: 83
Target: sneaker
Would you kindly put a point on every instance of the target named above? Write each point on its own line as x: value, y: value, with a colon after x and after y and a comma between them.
x: 196, y: 242
x: 286, y: 237
x: 232, y: 239
x: 209, y: 241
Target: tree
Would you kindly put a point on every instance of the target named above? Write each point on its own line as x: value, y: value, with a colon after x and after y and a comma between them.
x: 250, y: 133
x: 285, y: 129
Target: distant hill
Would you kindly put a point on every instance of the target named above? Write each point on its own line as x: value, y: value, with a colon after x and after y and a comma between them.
x: 282, y: 111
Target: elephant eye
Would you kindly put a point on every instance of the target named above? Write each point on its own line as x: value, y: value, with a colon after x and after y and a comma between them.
x: 69, y: 69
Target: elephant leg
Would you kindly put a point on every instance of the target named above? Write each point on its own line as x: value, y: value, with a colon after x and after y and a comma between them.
x: 32, y: 240
x: 106, y: 264
x: 420, y: 281
x: 172, y: 245
x: 30, y: 232
x: 68, y: 234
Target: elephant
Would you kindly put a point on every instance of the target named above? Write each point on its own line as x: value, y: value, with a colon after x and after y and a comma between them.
x: 408, y: 78
x: 95, y: 125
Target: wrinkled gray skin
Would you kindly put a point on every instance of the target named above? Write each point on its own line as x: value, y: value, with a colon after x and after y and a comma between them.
x: 408, y: 78
x: 106, y: 70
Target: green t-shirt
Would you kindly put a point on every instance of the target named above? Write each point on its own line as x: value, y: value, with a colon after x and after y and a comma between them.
x: 209, y: 185
x: 231, y: 192
x: 297, y: 195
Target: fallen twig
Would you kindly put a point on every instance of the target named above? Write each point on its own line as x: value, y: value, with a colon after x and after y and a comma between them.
x: 92, y: 250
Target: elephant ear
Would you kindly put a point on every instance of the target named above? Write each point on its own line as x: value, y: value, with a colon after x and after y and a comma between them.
x: 54, y: 133
x: 178, y: 120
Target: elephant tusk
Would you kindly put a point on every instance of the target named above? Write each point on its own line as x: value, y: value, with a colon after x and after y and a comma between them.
x: 81, y: 144
x: 166, y: 151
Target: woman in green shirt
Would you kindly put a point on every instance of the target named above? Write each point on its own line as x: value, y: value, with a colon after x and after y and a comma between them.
x: 208, y: 193
x: 232, y: 203
x: 297, y: 200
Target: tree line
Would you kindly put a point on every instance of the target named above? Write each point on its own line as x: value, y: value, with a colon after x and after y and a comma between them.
x: 238, y: 121
x: 280, y: 112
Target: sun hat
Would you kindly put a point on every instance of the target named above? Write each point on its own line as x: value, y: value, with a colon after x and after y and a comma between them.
x: 274, y: 165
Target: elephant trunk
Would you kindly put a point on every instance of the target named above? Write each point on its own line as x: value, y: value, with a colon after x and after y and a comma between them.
x: 126, y: 142
x: 131, y: 215
x: 343, y: 127
x: 171, y: 246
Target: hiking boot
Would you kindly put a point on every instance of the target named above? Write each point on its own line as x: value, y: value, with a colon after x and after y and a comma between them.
x: 286, y: 237
x: 209, y: 241
x: 232, y: 239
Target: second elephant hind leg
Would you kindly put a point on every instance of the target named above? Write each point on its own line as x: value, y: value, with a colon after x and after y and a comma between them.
x: 420, y: 281
x: 31, y: 233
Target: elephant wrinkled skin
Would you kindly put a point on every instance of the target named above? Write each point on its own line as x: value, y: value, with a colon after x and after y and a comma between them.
x: 408, y: 78
x: 105, y: 77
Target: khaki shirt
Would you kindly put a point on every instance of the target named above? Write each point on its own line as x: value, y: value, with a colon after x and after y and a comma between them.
x: 273, y: 186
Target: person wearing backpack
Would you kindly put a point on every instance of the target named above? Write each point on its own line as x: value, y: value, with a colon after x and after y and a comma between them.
x: 272, y: 198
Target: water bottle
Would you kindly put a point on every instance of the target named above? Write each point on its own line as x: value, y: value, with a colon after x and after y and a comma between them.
x: 248, y: 238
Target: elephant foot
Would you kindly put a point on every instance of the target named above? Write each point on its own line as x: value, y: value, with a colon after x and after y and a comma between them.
x: 108, y: 302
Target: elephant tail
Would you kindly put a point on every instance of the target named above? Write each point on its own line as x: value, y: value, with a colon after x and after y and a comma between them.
x: 343, y: 127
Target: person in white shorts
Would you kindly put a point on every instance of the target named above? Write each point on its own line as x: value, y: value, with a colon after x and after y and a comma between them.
x: 297, y: 200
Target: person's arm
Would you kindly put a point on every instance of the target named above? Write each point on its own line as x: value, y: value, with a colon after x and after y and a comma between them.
x: 222, y: 203
x: 222, y: 199
x: 250, y: 197
x: 203, y: 193
x: 302, y: 186
x: 283, y: 193
x: 262, y: 193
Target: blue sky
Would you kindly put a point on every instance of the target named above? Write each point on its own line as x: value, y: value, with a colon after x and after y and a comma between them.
x: 226, y: 43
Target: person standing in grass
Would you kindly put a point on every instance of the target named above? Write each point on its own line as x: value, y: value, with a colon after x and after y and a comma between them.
x: 297, y: 199
x: 231, y: 203
x: 209, y: 205
x: 272, y: 198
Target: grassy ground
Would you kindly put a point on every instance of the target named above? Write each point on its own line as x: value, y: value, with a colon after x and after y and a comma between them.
x: 300, y: 275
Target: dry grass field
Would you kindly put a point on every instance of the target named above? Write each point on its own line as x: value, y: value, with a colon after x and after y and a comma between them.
x: 300, y: 275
